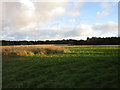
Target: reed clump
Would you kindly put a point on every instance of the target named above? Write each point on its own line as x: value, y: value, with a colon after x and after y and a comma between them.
x: 32, y: 50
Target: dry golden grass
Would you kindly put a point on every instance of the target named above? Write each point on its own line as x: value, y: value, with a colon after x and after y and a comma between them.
x: 31, y: 50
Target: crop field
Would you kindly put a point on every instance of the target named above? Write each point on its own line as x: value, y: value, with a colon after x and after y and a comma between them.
x: 84, y: 66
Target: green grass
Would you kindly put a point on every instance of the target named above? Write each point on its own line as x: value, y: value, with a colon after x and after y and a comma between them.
x: 83, y: 67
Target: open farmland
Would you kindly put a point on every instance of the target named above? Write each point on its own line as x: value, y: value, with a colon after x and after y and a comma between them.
x: 86, y: 66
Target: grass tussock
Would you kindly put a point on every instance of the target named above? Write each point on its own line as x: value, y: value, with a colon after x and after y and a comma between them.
x: 32, y: 50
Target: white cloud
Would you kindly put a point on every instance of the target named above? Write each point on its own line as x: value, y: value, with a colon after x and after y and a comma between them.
x: 107, y: 8
x: 0, y: 19
x: 98, y: 29
x: 74, y: 13
x: 25, y: 13
x: 102, y: 14
x: 58, y: 12
x: 58, y: 32
x: 71, y: 21
x: 83, y: 30
x: 21, y: 18
x: 105, y: 5
x: 78, y: 5
x: 103, y: 0
x: 108, y: 27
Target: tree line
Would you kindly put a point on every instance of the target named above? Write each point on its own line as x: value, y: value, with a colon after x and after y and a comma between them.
x: 89, y: 41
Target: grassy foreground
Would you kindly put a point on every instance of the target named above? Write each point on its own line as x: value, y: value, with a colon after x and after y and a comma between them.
x: 83, y: 67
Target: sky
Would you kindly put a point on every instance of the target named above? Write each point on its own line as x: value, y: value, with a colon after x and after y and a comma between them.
x: 56, y: 19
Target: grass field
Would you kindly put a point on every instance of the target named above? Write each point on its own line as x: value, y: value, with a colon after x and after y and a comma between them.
x: 84, y: 67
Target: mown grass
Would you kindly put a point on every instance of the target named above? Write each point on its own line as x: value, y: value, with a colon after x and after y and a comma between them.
x: 83, y: 67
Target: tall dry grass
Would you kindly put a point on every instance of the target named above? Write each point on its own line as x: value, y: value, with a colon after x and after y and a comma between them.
x: 32, y: 50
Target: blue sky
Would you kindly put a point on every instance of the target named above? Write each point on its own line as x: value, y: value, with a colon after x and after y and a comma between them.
x: 88, y: 13
x: 27, y: 20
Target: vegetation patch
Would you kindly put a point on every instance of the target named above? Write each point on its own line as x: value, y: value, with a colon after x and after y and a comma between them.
x: 32, y: 50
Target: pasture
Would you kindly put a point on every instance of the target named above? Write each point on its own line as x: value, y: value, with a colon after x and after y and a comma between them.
x: 84, y: 66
